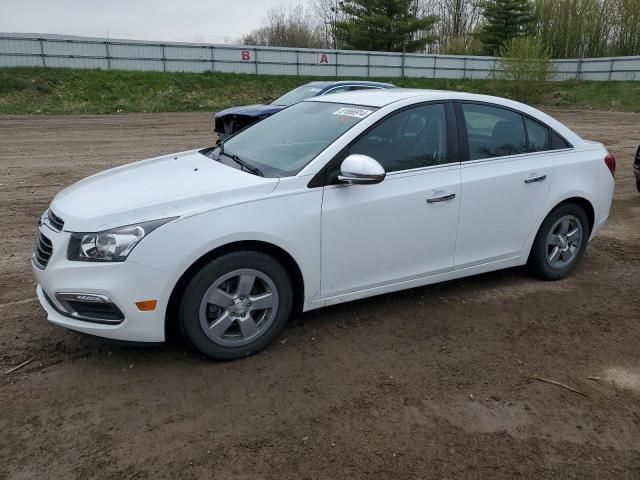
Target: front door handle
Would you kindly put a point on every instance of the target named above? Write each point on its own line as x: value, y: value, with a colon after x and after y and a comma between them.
x: 539, y: 178
x: 441, y: 198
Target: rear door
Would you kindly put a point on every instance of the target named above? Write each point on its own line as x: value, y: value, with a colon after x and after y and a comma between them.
x: 505, y: 179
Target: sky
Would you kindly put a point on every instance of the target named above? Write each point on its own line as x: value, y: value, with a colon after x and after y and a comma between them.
x: 210, y: 21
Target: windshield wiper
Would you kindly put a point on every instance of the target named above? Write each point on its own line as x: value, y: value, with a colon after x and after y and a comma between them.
x: 244, y: 165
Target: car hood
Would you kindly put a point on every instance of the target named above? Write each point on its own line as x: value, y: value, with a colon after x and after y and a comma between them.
x: 161, y: 187
x: 251, y: 110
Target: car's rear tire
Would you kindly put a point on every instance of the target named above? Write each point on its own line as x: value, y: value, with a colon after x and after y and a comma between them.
x: 560, y: 242
x: 236, y: 305
x: 638, y: 185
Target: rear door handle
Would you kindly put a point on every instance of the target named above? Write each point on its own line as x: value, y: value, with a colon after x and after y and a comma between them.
x: 538, y: 178
x: 441, y: 198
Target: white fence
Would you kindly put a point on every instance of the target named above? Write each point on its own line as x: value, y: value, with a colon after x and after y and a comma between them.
x: 78, y: 52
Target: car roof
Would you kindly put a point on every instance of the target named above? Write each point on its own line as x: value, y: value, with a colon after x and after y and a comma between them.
x: 325, y: 84
x: 384, y: 97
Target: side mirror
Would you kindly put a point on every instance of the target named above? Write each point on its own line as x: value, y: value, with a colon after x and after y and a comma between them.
x: 361, y: 170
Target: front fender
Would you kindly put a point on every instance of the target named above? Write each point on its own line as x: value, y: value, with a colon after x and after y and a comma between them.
x: 289, y: 222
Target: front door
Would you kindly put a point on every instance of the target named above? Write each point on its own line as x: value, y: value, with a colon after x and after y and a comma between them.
x: 405, y: 227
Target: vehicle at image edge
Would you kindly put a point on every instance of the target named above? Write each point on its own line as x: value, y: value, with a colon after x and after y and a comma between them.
x: 636, y: 168
x: 229, y: 121
x: 333, y: 199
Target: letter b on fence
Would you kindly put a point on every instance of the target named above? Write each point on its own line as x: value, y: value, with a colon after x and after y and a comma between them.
x: 245, y: 55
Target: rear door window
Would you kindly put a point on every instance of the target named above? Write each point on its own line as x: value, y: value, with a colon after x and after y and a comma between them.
x: 538, y: 136
x: 493, y: 131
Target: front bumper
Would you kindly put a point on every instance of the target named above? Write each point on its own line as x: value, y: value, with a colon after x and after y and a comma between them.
x: 124, y: 283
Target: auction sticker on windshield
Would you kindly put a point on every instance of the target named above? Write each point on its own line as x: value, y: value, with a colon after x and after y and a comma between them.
x: 353, y: 112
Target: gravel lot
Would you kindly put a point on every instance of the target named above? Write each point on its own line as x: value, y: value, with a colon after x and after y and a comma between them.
x: 430, y: 383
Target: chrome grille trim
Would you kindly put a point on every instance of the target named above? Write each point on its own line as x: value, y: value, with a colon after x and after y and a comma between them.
x: 55, y: 221
x: 42, y: 251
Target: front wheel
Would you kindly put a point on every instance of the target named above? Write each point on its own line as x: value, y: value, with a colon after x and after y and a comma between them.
x: 560, y: 242
x: 236, y: 305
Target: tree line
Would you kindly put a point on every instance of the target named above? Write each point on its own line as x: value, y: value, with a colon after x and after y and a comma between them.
x: 562, y: 28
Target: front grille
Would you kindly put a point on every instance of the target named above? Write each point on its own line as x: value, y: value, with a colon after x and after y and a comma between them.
x: 42, y: 251
x: 56, y: 222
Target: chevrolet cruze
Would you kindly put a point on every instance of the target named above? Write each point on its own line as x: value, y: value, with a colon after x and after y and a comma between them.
x: 332, y: 199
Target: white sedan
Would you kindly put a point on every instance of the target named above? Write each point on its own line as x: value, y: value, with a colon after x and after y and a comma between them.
x: 330, y: 200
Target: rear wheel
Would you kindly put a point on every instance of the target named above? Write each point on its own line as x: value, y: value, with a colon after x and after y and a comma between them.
x: 638, y: 185
x: 236, y: 305
x: 560, y: 242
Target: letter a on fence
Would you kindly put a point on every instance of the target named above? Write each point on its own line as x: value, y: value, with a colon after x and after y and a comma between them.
x: 324, y: 58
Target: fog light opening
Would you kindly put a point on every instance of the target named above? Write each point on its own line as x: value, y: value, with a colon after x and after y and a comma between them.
x: 91, y: 307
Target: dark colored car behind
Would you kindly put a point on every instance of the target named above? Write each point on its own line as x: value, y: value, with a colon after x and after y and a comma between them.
x: 229, y: 121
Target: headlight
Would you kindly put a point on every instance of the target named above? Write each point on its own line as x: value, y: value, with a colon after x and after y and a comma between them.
x: 113, y: 245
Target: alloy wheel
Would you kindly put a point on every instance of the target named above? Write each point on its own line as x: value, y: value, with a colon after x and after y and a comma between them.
x: 239, y: 307
x: 564, y: 241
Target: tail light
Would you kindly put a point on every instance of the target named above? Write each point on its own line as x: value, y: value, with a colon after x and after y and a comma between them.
x: 610, y: 161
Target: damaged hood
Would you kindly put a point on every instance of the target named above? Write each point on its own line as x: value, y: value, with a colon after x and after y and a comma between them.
x: 161, y: 187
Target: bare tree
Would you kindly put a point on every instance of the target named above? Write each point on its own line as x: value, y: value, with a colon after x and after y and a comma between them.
x: 329, y: 13
x: 287, y: 27
x: 458, y: 19
x: 588, y: 28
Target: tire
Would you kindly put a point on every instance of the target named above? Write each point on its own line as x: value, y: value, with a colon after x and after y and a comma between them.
x: 544, y: 260
x: 225, y: 315
x: 638, y: 185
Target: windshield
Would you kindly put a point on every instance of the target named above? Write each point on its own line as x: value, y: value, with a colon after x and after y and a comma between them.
x: 297, y: 95
x: 284, y: 143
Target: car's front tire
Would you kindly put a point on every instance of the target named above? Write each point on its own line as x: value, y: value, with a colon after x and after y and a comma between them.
x: 560, y: 242
x: 236, y: 305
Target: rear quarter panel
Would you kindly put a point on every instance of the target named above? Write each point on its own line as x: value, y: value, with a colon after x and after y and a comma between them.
x: 581, y: 172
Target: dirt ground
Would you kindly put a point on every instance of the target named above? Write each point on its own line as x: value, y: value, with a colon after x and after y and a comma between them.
x: 429, y: 383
